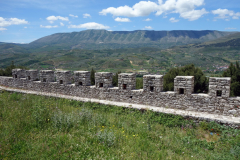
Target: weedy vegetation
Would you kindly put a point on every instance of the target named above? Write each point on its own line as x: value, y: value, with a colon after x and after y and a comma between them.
x: 38, y: 127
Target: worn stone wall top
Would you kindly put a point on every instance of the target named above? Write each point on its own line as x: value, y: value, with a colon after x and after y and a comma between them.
x: 46, y: 76
x: 184, y: 84
x: 32, y: 75
x: 103, y: 79
x: 18, y: 73
x: 63, y: 77
x: 153, y: 83
x: 82, y: 78
x: 126, y: 81
x: 219, y: 86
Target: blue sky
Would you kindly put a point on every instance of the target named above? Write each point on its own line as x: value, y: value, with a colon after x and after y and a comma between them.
x: 23, y: 21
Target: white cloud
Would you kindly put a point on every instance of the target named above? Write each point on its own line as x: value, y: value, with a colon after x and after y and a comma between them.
x: 194, y: 14
x: 48, y: 26
x: 61, y: 24
x: 89, y: 25
x: 51, y: 19
x: 186, y: 9
x: 71, y: 15
x: 4, y: 22
x: 229, y: 28
x: 142, y: 8
x: 148, y: 19
x: 3, y: 29
x: 148, y: 27
x: 173, y: 20
x: 225, y: 14
x: 25, y: 27
x: 86, y: 15
x: 118, y: 19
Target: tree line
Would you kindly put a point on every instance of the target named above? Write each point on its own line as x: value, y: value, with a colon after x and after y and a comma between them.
x: 8, y: 70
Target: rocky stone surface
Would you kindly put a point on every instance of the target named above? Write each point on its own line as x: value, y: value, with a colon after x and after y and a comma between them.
x: 82, y: 78
x: 63, y: 77
x: 127, y: 81
x: 219, y: 86
x: 103, y: 79
x: 18, y: 73
x: 153, y: 83
x: 184, y: 85
x: 32, y: 75
x: 188, y: 101
x: 46, y: 76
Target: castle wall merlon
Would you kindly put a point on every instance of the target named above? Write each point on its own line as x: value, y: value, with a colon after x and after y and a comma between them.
x: 184, y: 84
x: 47, y: 76
x: 219, y: 86
x: 63, y: 77
x: 103, y: 79
x: 127, y: 81
x: 32, y: 75
x: 153, y: 83
x: 18, y: 73
x: 82, y: 78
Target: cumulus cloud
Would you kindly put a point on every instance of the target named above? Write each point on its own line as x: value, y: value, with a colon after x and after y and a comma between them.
x: 89, y: 25
x: 4, y: 22
x: 173, y: 20
x: 193, y: 15
x: 118, y: 19
x: 71, y: 15
x: 142, y: 8
x: 148, y: 19
x: 186, y: 9
x: 61, y: 24
x: 51, y: 19
x: 148, y: 27
x: 48, y: 26
x: 226, y: 14
x: 86, y: 15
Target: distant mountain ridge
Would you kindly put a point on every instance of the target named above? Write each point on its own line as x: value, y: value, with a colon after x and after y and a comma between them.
x: 102, y: 39
x: 137, y: 56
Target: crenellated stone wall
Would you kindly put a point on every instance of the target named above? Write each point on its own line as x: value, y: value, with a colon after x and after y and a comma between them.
x: 217, y: 101
x: 63, y: 77
x: 82, y: 78
x: 153, y: 83
x: 46, y: 76
x: 103, y: 79
x: 127, y: 81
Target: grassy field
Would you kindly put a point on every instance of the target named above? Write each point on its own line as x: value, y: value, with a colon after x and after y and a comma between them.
x: 37, y: 127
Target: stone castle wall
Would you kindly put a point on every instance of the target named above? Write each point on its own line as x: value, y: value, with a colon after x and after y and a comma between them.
x: 217, y: 101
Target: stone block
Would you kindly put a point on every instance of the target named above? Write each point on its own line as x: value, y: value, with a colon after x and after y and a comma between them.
x: 63, y: 77
x: 18, y: 73
x: 82, y: 78
x: 126, y: 81
x: 46, y: 76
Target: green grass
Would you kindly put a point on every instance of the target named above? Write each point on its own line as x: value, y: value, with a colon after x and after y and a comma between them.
x: 37, y: 127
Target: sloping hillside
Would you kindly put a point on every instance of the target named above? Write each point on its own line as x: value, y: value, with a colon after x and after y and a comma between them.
x: 102, y: 39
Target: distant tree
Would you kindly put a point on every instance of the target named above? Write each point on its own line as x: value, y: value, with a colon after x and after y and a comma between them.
x: 8, y: 70
x: 233, y: 71
x: 115, y: 79
x: 139, y: 83
x: 92, y: 76
x: 200, y: 80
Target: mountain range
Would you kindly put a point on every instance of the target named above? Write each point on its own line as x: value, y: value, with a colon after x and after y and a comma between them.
x: 130, y: 50
x: 102, y: 39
